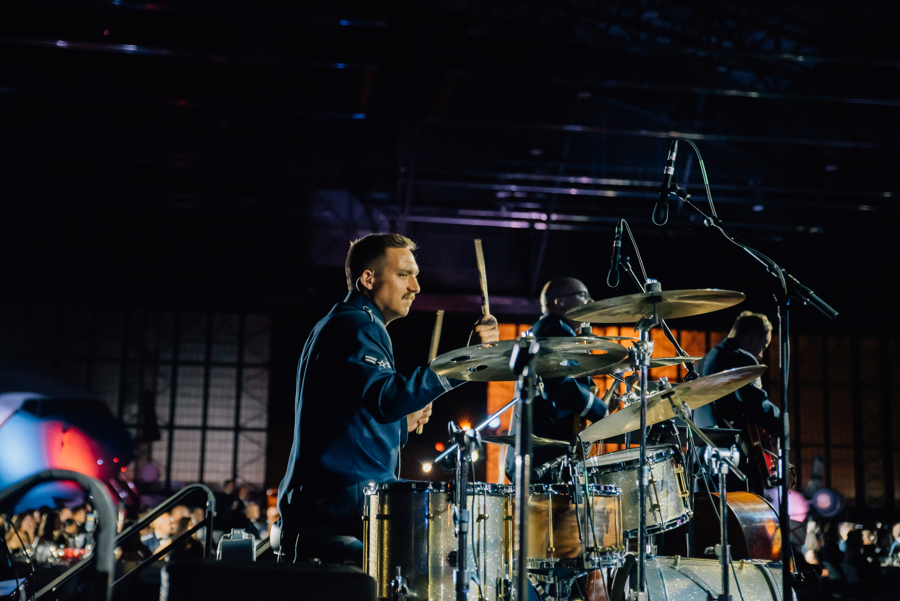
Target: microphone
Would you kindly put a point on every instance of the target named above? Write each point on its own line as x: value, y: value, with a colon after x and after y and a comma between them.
x: 614, y: 262
x: 661, y: 210
x: 538, y: 472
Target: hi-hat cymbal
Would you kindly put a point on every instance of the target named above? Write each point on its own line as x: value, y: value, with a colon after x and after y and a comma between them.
x: 670, y: 304
x: 558, y: 357
x: 695, y: 393
x: 536, y: 441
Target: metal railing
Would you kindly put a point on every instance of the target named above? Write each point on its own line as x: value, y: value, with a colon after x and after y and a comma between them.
x: 134, y: 530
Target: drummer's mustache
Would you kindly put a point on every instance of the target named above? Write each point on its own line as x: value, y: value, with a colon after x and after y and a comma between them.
x: 409, y: 296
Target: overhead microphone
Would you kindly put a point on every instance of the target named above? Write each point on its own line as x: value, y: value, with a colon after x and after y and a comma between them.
x: 661, y: 210
x: 614, y: 263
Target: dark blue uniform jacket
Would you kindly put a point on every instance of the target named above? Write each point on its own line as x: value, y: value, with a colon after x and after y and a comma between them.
x: 732, y: 409
x: 350, y: 419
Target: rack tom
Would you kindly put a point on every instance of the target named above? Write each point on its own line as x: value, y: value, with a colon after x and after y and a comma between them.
x: 667, y: 496
x: 553, y: 540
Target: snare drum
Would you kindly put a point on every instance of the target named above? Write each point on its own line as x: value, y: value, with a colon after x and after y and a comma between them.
x: 667, y: 495
x: 410, y: 525
x: 552, y: 539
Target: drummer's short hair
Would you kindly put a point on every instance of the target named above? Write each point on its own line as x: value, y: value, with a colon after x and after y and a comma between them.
x: 368, y: 251
x: 749, y: 323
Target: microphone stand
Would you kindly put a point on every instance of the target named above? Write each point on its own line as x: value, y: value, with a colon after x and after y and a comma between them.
x: 790, y: 288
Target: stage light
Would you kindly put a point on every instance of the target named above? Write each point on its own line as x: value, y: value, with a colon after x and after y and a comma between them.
x: 438, y: 446
x: 474, y: 455
x: 494, y: 423
x: 426, y: 467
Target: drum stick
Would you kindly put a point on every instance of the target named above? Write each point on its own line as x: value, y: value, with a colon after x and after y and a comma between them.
x: 432, y: 353
x: 479, y: 257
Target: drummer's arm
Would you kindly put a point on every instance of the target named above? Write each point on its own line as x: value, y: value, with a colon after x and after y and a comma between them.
x: 572, y: 395
x: 387, y: 395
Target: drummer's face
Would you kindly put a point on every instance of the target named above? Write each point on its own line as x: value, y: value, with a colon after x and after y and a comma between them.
x: 394, y: 284
x: 576, y: 296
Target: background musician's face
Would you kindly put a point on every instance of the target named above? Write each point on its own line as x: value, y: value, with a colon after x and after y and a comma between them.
x: 392, y: 286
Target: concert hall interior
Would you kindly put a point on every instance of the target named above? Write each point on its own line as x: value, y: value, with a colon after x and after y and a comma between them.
x: 182, y: 180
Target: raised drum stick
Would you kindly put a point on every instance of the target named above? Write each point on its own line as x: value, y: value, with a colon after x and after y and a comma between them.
x: 432, y: 352
x: 479, y: 257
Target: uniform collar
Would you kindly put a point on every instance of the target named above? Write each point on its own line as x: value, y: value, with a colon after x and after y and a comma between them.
x: 358, y: 300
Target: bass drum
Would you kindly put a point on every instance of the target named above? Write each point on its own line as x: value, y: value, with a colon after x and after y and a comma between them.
x: 683, y: 579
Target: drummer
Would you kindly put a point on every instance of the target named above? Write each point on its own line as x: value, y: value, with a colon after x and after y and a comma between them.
x: 565, y: 401
x: 353, y: 411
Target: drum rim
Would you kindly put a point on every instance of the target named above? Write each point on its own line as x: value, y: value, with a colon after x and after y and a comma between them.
x: 597, y: 490
x: 491, y: 489
x: 660, y: 454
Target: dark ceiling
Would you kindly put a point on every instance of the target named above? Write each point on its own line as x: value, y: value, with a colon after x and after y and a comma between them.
x: 235, y: 147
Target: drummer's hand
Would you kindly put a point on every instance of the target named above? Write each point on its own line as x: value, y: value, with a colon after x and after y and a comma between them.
x: 614, y: 403
x: 487, y: 330
x: 414, y: 420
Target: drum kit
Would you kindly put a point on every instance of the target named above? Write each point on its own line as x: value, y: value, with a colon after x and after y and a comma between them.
x: 474, y: 541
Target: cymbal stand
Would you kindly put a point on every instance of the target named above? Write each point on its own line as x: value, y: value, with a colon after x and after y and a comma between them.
x: 720, y: 462
x: 467, y: 441
x: 521, y: 361
x: 643, y: 351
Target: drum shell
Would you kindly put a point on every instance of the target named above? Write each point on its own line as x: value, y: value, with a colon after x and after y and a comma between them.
x: 693, y: 579
x: 410, y: 525
x: 551, y: 512
x: 667, y: 502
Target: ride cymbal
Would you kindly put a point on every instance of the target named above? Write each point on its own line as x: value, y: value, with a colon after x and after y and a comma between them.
x: 557, y: 357
x: 695, y: 393
x: 670, y: 304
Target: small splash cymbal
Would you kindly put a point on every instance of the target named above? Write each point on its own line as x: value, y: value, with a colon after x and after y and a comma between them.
x: 670, y: 304
x: 557, y: 357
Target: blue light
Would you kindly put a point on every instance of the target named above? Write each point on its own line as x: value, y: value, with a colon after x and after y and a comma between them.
x: 99, y: 462
x: 359, y: 115
x: 494, y: 423
x: 339, y: 65
x: 344, y: 22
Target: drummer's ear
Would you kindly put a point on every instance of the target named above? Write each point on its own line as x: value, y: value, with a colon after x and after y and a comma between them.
x: 366, y: 280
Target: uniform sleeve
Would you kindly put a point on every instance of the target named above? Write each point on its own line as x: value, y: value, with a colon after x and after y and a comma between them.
x: 385, y: 394
x: 571, y: 394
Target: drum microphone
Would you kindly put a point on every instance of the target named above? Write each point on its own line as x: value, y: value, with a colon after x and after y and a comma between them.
x: 614, y: 263
x: 661, y: 210
x: 539, y: 472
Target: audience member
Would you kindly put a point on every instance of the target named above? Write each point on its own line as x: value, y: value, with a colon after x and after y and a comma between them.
x: 188, y: 547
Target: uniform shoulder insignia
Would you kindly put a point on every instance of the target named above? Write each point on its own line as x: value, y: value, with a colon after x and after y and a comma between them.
x: 376, y: 361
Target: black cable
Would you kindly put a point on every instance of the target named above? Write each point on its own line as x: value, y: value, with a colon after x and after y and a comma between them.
x: 12, y: 563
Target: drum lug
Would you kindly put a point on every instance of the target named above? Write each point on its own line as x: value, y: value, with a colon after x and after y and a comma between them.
x: 682, y: 485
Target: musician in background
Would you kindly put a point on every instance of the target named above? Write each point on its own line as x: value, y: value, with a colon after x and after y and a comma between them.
x: 558, y: 411
x: 353, y: 411
x: 748, y: 339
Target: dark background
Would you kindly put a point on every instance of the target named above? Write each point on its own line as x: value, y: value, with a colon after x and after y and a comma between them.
x: 220, y: 156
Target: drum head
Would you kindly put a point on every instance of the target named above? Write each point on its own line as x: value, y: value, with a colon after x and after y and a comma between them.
x: 602, y: 463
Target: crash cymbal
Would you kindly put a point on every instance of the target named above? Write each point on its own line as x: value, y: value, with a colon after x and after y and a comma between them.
x: 536, y: 441
x: 695, y: 393
x: 670, y: 303
x: 558, y: 357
